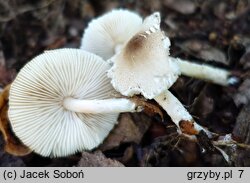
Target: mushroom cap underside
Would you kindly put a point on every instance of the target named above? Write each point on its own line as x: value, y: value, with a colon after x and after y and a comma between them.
x: 36, y: 112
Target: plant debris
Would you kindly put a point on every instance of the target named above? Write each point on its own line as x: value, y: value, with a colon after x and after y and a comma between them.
x: 211, y: 32
x: 97, y: 159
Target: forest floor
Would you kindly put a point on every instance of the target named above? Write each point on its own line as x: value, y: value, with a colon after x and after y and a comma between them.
x: 216, y: 32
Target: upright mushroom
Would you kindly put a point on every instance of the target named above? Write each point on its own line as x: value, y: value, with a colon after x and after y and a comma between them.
x: 115, y: 29
x: 61, y: 102
x: 143, y: 67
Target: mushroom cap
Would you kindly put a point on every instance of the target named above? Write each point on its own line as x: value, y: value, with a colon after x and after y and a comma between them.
x: 109, y: 32
x: 36, y: 112
x: 143, y: 66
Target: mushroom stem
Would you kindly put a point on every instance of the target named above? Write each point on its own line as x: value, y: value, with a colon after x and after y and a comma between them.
x: 179, y: 115
x: 114, y: 105
x: 206, y: 72
x: 118, y: 48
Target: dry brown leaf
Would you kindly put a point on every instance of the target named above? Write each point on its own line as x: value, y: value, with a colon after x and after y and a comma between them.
x: 181, y: 6
x: 244, y: 60
x: 241, y: 157
x: 7, y: 160
x: 59, y: 42
x: 5, y: 74
x: 131, y: 128
x: 97, y: 159
x: 187, y: 127
x: 242, y: 97
x: 203, y: 104
x: 166, y: 148
x: 242, y: 127
x: 149, y: 108
x: 12, y: 144
x: 13, y: 8
x: 128, y: 155
x: 203, y: 50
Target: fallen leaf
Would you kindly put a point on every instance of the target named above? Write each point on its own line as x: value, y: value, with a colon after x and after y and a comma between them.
x: 59, y: 42
x: 241, y: 158
x: 241, y: 129
x: 97, y: 159
x: 148, y: 107
x: 164, y: 149
x: 128, y: 155
x: 12, y: 144
x: 242, y: 97
x: 181, y: 6
x: 6, y: 75
x: 131, y: 128
x: 203, y: 104
x: 187, y: 127
x: 203, y: 50
x: 244, y: 60
x: 8, y: 160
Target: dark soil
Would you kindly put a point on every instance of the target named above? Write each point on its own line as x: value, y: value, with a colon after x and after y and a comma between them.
x: 215, y: 32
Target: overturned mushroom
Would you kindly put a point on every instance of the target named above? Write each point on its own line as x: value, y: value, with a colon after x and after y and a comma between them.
x: 144, y: 67
x: 115, y: 29
x: 61, y: 102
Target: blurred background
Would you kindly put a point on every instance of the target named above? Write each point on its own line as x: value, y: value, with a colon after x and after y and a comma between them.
x: 216, y: 32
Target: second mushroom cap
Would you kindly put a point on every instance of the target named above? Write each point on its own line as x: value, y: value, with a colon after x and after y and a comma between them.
x: 107, y: 34
x: 142, y: 66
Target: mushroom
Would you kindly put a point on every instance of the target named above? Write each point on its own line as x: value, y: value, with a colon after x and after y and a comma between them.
x: 106, y: 35
x: 61, y: 102
x: 143, y: 67
x: 115, y: 29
